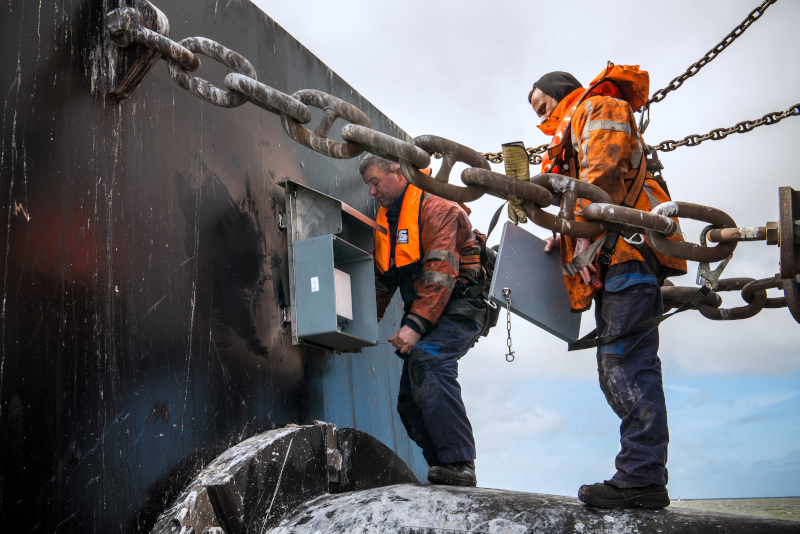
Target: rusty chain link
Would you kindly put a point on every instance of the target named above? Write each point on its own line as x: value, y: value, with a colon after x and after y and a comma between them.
x: 695, y: 67
x: 125, y: 27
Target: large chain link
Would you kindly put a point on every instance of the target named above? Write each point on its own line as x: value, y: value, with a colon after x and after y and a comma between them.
x: 126, y: 28
x: 721, y: 133
x: 695, y: 67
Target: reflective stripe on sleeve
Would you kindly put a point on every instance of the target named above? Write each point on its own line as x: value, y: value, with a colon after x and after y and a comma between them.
x: 605, y: 124
x: 443, y: 255
x: 434, y: 277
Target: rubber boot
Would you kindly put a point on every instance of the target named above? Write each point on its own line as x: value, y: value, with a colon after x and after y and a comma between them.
x: 455, y: 474
x: 616, y: 493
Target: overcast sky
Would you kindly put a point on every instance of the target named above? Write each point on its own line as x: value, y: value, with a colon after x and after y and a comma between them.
x: 462, y: 70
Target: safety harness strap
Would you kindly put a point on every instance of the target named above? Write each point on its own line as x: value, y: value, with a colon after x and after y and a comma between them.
x: 591, y: 340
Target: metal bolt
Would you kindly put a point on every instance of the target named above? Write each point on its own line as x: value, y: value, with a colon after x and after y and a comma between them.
x: 773, y: 233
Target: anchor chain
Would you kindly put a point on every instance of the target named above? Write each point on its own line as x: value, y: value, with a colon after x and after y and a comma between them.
x: 128, y: 27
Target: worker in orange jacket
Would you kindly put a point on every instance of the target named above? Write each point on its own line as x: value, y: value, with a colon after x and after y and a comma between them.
x: 432, y: 255
x: 596, y: 139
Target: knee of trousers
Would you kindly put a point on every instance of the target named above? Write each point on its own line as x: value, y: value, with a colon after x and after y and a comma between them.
x: 423, y: 382
x: 621, y: 393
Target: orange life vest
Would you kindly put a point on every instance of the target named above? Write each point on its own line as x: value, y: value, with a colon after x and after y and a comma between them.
x: 408, y: 248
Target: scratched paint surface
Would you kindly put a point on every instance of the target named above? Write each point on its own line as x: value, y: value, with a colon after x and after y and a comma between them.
x: 143, y: 272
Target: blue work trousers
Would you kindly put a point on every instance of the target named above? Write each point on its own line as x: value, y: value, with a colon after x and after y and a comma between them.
x: 630, y: 372
x: 429, y: 402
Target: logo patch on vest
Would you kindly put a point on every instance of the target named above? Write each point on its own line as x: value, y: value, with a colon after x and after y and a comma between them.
x: 402, y: 237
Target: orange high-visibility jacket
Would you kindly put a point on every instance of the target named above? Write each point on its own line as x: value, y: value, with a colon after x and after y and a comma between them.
x: 604, y: 148
x: 435, y: 246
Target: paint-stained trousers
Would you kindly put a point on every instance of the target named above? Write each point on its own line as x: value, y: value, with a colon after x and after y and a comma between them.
x: 630, y: 372
x: 429, y: 402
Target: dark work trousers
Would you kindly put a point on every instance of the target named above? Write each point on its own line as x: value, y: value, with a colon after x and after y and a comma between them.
x: 630, y: 372
x: 429, y: 402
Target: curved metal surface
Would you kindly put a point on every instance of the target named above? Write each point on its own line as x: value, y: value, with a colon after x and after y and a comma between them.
x: 692, y: 251
x: 386, y: 146
x: 452, y: 153
x: 333, y: 108
x: 206, y: 90
x: 507, y: 185
x: 415, y: 509
x: 753, y: 308
x: 147, y: 272
x: 250, y: 486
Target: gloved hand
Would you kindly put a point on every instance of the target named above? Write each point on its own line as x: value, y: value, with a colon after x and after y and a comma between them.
x: 515, y: 211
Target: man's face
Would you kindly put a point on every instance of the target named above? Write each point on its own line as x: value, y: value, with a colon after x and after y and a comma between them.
x: 543, y: 104
x: 385, y: 187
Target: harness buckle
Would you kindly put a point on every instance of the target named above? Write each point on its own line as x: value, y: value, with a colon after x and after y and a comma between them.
x: 633, y: 241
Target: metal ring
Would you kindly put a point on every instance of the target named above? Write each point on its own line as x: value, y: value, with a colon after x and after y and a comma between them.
x: 333, y: 108
x: 507, y: 185
x: 762, y: 285
x: 386, y: 146
x: 206, y: 90
x: 691, y: 251
x: 267, y: 98
x: 734, y: 314
x: 634, y: 219
x: 452, y: 152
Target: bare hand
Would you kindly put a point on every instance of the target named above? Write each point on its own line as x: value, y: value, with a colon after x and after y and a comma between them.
x: 405, y: 339
x: 551, y: 243
x: 587, y: 272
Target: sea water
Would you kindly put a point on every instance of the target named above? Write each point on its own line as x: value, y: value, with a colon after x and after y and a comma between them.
x: 776, y: 508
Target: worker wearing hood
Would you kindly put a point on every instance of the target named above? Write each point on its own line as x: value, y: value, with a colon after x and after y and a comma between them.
x: 595, y: 139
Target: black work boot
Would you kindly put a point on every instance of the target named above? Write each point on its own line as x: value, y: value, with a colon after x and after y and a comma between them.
x: 455, y: 474
x: 617, y: 493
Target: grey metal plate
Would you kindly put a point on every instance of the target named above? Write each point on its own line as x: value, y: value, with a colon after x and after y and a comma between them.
x: 537, y: 287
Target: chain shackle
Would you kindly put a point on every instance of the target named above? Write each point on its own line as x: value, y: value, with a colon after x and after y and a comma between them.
x: 333, y: 108
x: 753, y: 308
x: 507, y: 185
x: 692, y: 251
x: 570, y: 190
x: 267, y: 98
x: 386, y: 146
x: 452, y: 153
x: 631, y: 218
x: 206, y: 90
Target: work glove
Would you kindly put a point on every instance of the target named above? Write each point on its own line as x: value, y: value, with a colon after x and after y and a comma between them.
x: 515, y: 159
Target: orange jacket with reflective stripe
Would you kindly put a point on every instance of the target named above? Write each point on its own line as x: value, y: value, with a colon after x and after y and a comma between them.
x: 604, y: 146
x: 434, y: 235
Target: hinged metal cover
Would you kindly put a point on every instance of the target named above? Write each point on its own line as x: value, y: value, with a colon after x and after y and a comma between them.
x: 534, y: 277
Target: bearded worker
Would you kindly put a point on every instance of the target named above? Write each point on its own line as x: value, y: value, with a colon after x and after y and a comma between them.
x: 596, y: 140
x: 432, y: 255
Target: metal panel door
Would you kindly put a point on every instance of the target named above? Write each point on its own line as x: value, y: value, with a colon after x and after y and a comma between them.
x: 538, y: 294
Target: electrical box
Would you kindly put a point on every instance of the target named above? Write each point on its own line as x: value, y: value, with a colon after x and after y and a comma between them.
x: 331, y: 271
